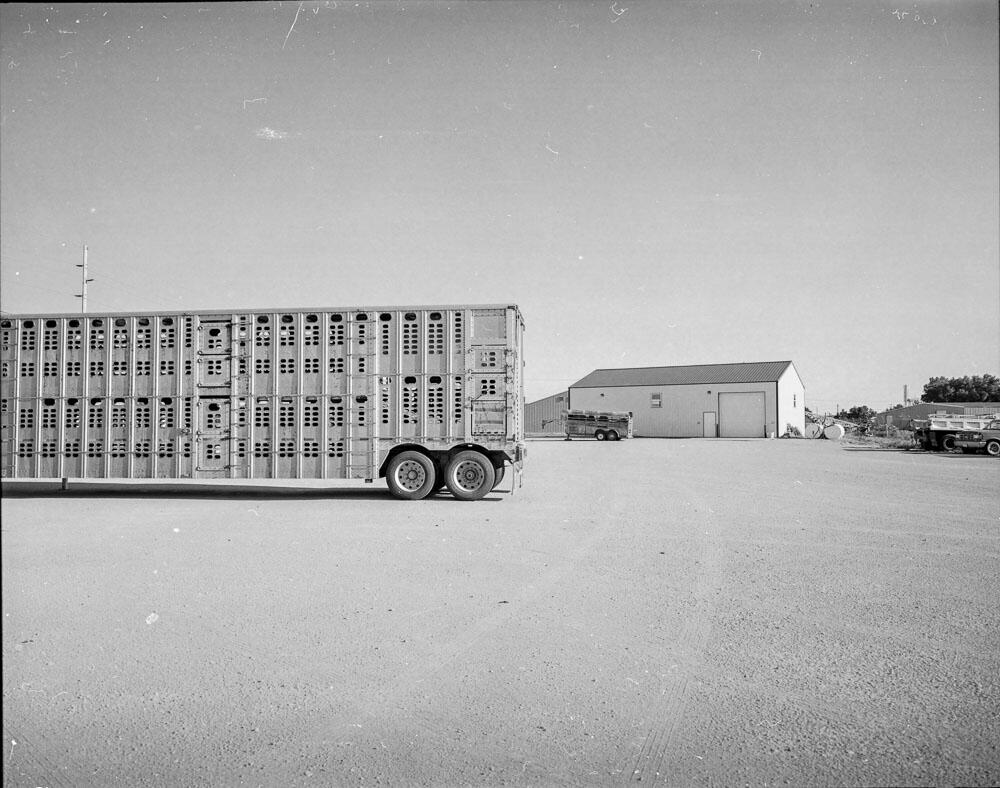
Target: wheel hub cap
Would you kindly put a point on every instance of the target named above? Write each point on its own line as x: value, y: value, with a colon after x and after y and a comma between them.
x: 410, y: 475
x: 469, y: 476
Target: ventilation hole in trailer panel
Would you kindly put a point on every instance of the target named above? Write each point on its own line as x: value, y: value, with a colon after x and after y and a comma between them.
x: 286, y: 413
x: 336, y: 412
x: 385, y: 317
x: 74, y: 335
x: 49, y: 414
x: 262, y: 413
x: 142, y: 413
x: 96, y: 335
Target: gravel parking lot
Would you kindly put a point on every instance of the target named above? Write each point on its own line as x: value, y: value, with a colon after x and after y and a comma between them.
x: 684, y: 612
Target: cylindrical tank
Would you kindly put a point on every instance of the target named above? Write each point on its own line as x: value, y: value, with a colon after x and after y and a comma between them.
x: 834, y: 432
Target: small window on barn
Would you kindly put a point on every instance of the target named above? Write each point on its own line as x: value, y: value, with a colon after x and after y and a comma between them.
x: 656, y: 400
x: 559, y: 399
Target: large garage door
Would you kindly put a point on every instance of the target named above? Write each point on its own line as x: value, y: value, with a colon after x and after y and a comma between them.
x: 741, y: 414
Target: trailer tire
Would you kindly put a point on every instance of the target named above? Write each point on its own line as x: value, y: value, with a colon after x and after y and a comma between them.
x: 410, y: 476
x: 993, y: 448
x: 599, y: 435
x: 469, y: 475
x: 947, y: 442
x: 612, y: 435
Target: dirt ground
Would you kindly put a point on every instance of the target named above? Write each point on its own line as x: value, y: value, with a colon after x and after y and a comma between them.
x: 679, y: 612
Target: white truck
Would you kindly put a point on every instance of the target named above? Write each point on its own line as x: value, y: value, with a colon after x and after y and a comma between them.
x: 425, y: 396
x: 939, y: 430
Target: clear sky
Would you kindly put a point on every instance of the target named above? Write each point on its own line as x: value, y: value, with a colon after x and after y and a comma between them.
x: 654, y: 182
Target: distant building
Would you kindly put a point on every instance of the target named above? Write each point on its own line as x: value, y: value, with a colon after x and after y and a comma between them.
x: 752, y: 400
x: 545, y: 416
x: 901, y: 417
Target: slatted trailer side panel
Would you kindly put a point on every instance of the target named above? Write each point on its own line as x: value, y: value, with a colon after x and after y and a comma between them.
x: 276, y: 394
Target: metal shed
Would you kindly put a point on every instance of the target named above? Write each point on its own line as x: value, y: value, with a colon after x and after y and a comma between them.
x: 546, y: 416
x: 744, y: 400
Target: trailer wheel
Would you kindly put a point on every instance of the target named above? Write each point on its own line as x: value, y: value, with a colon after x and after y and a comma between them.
x: 993, y: 448
x: 599, y: 435
x: 470, y: 475
x: 410, y: 476
x: 948, y: 442
x: 612, y: 435
x: 498, y: 472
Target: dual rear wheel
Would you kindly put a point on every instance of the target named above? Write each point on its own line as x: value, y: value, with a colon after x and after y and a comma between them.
x: 468, y: 475
x: 411, y: 475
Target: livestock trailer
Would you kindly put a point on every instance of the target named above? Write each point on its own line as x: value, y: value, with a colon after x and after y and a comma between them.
x: 425, y: 396
x: 602, y: 425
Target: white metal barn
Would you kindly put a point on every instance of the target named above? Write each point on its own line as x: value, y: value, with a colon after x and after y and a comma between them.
x: 752, y: 400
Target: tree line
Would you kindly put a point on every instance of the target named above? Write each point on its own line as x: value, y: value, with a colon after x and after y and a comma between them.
x: 977, y: 388
x: 969, y: 388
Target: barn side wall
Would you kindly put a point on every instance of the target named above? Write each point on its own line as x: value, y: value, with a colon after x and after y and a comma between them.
x: 683, y: 407
x: 791, y: 402
x: 545, y: 416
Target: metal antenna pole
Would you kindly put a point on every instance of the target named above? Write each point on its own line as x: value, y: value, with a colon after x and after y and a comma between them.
x: 83, y: 282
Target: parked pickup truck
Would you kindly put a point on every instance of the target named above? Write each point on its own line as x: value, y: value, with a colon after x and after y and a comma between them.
x: 987, y: 439
x: 938, y: 431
